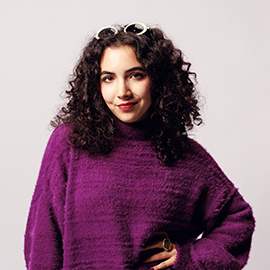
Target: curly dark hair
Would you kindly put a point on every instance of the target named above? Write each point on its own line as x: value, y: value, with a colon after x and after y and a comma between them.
x: 174, y: 108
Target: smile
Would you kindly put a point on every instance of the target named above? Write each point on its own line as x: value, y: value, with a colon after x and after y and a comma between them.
x: 126, y: 106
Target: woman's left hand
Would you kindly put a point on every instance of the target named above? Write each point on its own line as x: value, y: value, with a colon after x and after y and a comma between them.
x: 168, y: 256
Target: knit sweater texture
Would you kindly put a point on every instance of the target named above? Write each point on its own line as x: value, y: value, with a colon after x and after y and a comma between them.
x: 92, y: 211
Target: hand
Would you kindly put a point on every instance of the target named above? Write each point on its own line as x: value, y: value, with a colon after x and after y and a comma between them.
x: 168, y: 256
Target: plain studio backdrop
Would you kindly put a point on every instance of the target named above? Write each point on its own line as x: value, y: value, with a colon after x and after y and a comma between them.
x: 227, y: 43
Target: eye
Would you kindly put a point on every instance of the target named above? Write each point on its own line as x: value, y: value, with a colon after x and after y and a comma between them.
x: 137, y: 75
x: 107, y: 78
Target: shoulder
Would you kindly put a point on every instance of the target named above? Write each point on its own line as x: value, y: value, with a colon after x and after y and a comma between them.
x: 55, y: 165
x: 61, y: 133
x: 197, y: 148
x: 60, y: 137
x: 58, y: 144
x: 196, y: 153
x: 199, y: 154
x: 205, y: 168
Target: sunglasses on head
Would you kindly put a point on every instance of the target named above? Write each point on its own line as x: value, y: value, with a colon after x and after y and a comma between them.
x: 136, y: 28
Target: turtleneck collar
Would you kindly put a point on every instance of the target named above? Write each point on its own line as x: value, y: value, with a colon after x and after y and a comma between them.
x: 135, y: 131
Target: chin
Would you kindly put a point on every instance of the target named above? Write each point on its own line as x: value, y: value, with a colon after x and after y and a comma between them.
x: 127, y: 120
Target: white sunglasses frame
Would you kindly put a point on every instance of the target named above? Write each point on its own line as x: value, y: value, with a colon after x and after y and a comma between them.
x: 145, y: 28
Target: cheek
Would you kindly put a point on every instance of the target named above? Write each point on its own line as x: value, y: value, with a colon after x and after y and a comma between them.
x: 106, y: 94
x: 147, y: 93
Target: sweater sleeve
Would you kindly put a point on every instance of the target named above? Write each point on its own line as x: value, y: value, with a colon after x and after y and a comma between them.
x: 43, y: 236
x: 227, y: 222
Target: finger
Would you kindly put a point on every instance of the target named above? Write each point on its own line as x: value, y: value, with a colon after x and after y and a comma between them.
x: 164, y: 264
x: 158, y: 257
x: 162, y: 233
x: 163, y: 255
x: 158, y: 244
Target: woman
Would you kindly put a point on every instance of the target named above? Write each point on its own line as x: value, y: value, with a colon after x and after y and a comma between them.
x: 121, y: 185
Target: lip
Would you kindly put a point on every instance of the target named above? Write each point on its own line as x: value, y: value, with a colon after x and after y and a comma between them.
x: 126, y: 106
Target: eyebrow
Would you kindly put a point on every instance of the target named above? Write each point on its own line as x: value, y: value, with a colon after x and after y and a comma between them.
x: 127, y: 71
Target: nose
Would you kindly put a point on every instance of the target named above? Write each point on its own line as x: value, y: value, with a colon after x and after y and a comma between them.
x: 124, y: 91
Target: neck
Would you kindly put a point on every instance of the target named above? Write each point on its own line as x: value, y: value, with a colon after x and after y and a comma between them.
x: 136, y: 131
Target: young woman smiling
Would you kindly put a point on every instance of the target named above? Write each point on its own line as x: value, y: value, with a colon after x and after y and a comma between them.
x: 121, y: 186
x: 125, y: 84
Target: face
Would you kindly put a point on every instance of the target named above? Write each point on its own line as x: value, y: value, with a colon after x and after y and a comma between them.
x: 125, y: 85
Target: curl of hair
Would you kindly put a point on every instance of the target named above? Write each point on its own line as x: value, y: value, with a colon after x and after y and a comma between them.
x: 174, y: 108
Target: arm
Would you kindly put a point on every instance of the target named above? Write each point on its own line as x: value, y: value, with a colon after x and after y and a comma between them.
x: 226, y: 240
x: 224, y: 245
x: 226, y: 220
x: 43, y: 242
x: 43, y: 236
x: 221, y: 213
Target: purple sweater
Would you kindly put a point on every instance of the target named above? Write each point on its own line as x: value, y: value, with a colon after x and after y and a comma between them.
x: 98, y: 212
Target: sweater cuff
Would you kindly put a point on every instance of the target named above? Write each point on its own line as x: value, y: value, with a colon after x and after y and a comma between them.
x: 184, y: 260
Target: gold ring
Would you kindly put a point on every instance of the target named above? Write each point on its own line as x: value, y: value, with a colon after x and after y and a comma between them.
x: 167, y: 244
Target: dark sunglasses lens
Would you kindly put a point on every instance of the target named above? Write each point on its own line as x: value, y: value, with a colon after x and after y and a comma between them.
x: 106, y: 32
x: 135, y: 28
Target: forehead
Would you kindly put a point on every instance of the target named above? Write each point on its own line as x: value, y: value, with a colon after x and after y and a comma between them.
x: 119, y: 58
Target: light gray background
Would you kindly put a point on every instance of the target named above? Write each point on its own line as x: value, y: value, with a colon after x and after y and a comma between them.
x: 228, y: 44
